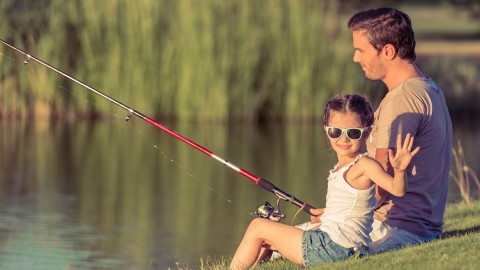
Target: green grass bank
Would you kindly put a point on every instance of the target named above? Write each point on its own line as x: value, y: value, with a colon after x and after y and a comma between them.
x: 458, y: 248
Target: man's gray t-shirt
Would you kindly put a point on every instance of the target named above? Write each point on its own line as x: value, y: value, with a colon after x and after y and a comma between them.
x: 417, y: 107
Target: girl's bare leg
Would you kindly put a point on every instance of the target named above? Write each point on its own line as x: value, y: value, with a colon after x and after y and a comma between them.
x: 286, y: 239
x: 265, y: 253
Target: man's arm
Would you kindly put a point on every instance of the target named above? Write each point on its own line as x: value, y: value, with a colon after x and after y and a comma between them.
x: 381, y: 155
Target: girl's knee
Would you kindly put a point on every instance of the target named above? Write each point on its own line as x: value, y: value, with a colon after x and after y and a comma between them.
x: 257, y: 224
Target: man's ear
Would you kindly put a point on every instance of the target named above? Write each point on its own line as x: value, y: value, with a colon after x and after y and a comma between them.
x: 389, y: 51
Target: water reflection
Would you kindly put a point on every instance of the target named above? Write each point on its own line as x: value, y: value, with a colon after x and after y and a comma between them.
x: 127, y: 196
x: 36, y: 234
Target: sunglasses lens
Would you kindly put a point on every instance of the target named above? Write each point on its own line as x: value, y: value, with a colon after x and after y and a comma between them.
x: 334, y: 133
x: 354, y: 134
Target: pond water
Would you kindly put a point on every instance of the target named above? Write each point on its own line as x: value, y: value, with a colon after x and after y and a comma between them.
x: 125, y: 195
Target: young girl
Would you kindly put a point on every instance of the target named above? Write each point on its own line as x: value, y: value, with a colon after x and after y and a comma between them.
x: 346, y: 221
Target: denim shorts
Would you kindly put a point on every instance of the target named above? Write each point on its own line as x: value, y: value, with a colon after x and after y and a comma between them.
x: 318, y: 248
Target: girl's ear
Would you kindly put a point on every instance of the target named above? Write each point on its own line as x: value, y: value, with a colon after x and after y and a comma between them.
x: 366, y: 132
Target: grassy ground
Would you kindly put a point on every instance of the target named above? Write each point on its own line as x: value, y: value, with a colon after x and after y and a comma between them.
x: 458, y: 248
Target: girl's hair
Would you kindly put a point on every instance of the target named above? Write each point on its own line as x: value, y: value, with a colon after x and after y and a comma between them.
x: 350, y: 103
x: 386, y: 26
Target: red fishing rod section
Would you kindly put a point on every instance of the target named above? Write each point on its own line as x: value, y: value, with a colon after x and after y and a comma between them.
x: 265, y: 184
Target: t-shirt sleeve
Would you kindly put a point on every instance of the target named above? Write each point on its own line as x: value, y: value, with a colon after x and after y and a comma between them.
x: 398, y: 116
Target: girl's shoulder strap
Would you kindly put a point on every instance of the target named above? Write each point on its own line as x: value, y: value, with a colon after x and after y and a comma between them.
x: 346, y: 167
x: 357, y: 158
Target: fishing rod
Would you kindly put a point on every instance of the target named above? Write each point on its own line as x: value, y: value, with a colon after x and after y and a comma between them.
x: 264, y: 210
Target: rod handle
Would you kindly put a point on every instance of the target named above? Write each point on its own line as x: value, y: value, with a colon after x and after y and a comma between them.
x: 267, y: 185
x: 307, y: 208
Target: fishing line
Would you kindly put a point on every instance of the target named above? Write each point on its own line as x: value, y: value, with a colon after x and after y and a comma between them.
x: 116, y: 116
x: 191, y: 175
x: 261, y: 182
x: 7, y: 57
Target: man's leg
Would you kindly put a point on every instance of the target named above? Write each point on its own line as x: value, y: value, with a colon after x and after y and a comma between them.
x: 385, y: 237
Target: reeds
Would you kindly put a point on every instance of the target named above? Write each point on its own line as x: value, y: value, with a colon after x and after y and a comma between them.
x: 208, y: 60
x: 191, y: 60
x: 463, y: 176
x: 458, y: 78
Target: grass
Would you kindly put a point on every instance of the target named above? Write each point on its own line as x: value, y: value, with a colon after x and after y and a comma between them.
x: 458, y: 248
x: 463, y: 175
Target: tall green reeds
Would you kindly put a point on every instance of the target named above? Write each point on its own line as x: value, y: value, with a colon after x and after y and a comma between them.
x: 186, y: 59
x: 192, y: 60
x: 464, y: 176
x: 458, y: 78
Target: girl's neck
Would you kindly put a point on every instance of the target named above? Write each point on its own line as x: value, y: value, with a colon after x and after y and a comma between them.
x: 345, y: 160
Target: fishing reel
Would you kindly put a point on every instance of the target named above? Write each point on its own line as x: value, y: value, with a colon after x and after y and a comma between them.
x: 266, y: 210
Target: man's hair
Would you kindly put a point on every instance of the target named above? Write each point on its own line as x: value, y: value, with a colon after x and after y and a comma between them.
x: 386, y: 26
x: 350, y: 103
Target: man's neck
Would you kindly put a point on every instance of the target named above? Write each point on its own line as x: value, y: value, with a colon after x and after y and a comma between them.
x: 399, y: 73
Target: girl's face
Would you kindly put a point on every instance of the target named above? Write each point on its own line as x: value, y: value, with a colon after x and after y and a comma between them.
x: 344, y: 146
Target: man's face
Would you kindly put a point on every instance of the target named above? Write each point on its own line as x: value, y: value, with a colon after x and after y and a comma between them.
x: 368, y: 57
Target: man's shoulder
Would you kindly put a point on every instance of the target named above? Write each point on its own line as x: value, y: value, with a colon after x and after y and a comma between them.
x: 419, y: 86
x: 413, y: 89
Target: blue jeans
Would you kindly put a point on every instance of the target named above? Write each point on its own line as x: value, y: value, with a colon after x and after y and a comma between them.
x: 318, y: 248
x: 386, y: 237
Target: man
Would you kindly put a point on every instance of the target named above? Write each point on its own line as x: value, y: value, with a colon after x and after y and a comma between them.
x: 384, y: 45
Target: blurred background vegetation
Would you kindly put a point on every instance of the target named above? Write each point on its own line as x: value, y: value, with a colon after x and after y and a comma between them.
x: 217, y: 60
x: 121, y: 191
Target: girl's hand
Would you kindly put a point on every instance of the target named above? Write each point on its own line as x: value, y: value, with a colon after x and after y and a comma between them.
x: 316, y: 214
x: 403, y: 155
